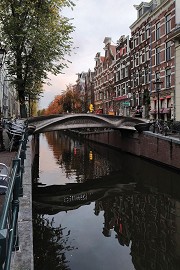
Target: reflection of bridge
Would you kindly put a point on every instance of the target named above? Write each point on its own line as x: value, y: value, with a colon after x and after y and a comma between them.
x: 77, y: 121
x: 56, y: 198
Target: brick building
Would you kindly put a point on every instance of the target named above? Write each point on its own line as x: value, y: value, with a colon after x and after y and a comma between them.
x: 89, y: 89
x: 152, y: 58
x: 122, y: 96
x: 104, y: 79
x: 175, y: 36
x: 163, y: 58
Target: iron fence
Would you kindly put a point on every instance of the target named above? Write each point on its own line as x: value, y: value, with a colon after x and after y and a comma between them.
x: 9, y: 240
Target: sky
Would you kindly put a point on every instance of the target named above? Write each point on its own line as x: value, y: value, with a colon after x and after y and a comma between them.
x: 93, y: 20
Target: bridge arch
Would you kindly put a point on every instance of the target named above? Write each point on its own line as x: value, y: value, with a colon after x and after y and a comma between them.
x: 78, y: 121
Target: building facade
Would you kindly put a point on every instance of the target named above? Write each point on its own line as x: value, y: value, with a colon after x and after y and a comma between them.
x: 122, y: 98
x: 80, y: 88
x: 163, y: 59
x: 153, y: 59
x: 104, y: 79
x: 89, y: 89
x: 175, y: 37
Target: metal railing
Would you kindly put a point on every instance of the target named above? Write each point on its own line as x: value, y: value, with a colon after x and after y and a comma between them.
x: 9, y: 240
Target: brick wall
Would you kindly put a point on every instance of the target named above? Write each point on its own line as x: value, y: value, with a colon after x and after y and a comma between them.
x: 158, y: 148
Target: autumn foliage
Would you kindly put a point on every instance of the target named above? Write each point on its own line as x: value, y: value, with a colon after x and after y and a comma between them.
x: 55, y: 107
x: 67, y: 102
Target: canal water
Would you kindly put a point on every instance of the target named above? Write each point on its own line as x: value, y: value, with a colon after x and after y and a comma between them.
x: 96, y: 208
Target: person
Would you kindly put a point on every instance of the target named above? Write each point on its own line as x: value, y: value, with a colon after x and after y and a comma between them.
x: 2, y: 147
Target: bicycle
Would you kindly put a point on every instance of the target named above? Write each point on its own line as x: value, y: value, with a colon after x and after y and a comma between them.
x: 159, y: 126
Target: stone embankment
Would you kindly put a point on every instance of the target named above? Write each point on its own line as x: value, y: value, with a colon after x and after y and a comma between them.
x: 156, y: 147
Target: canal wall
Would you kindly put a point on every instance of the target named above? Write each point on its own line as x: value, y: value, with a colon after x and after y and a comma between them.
x: 156, y: 147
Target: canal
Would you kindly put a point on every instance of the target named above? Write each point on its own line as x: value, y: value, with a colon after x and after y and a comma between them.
x: 96, y: 208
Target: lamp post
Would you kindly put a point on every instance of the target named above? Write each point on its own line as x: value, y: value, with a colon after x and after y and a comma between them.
x: 158, y: 84
x: 2, y: 58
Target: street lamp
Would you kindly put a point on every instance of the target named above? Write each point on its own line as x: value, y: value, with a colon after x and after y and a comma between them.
x: 158, y: 84
x: 2, y: 58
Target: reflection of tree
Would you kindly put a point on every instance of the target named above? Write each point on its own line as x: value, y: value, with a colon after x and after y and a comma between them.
x: 51, y: 243
x: 76, y: 162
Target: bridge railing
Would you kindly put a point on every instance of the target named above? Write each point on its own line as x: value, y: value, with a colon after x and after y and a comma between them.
x: 9, y: 240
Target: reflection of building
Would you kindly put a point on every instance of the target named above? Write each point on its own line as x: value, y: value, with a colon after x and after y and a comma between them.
x: 149, y: 221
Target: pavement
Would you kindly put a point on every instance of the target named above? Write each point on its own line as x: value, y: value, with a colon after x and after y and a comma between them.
x: 21, y: 259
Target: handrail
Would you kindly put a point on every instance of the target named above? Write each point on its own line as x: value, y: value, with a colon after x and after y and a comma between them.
x: 9, y: 216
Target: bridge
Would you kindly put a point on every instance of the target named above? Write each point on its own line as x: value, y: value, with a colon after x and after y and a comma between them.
x: 83, y: 120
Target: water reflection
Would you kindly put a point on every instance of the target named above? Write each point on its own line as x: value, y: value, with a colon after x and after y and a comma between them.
x: 123, y: 212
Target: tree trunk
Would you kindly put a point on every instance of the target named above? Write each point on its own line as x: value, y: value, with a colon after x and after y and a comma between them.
x: 23, y: 109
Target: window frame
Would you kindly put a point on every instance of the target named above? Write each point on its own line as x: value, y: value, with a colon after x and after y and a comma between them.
x: 158, y: 27
x: 168, y: 23
x: 158, y: 52
x: 168, y: 78
x: 168, y: 51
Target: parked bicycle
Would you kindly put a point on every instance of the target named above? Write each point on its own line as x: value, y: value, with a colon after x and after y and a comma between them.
x: 160, y: 126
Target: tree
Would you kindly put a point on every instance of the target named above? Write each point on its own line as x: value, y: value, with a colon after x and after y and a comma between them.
x: 37, y: 38
x: 55, y: 106
x: 71, y: 101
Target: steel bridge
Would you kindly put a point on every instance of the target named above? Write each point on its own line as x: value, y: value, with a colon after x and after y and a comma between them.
x: 83, y: 120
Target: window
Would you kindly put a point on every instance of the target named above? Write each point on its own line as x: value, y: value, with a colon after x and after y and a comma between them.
x: 147, y: 31
x: 134, y: 79
x: 122, y: 90
x: 126, y: 71
x: 157, y: 30
x: 137, y: 59
x: 122, y: 73
x: 140, y: 12
x: 135, y: 42
x: 168, y: 78
x: 157, y: 76
x: 141, y: 77
x: 168, y: 50
x: 147, y: 53
x: 134, y: 60
x: 127, y: 87
x: 140, y: 57
x: 168, y: 23
x: 158, y: 56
